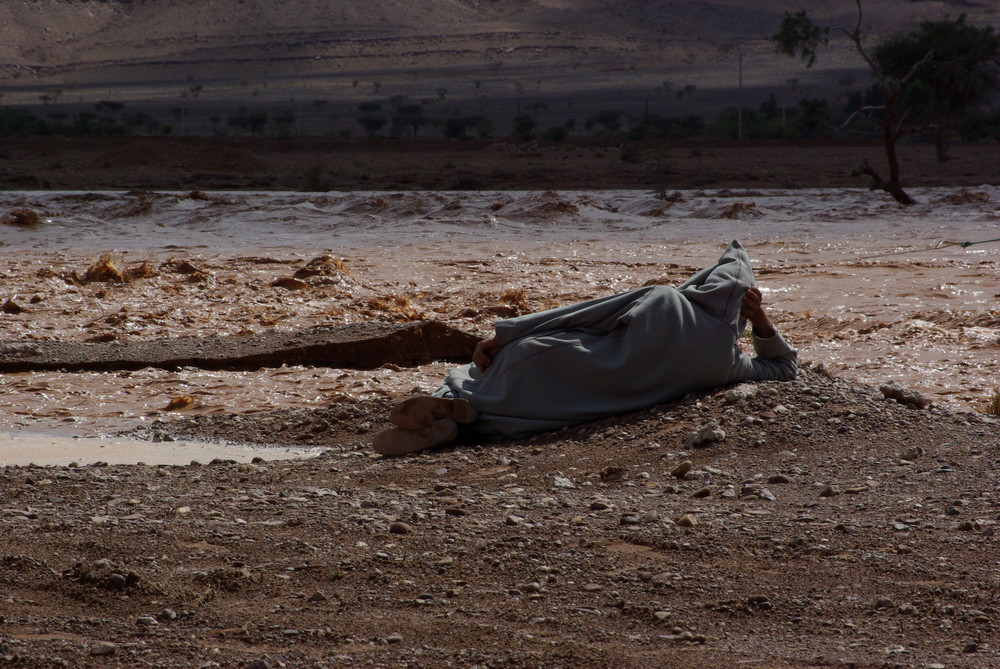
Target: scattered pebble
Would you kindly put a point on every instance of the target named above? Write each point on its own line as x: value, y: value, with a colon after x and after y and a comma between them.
x: 103, y: 649
x: 912, y: 398
x: 708, y: 434
x: 680, y: 470
x: 400, y: 528
x: 687, y: 520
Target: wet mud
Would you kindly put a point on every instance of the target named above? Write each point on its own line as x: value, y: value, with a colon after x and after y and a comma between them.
x: 354, y: 346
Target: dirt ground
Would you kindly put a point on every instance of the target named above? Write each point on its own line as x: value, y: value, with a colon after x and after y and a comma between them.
x: 811, y: 523
x: 830, y: 526
x: 320, y: 164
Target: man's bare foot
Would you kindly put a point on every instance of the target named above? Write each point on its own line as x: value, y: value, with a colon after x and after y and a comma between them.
x: 399, y: 441
x: 419, y: 412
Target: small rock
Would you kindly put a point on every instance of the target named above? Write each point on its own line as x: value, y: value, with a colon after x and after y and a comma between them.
x: 687, y: 520
x: 680, y: 470
x: 116, y: 582
x: 290, y: 283
x: 904, y: 396
x: 884, y: 603
x: 394, y: 638
x: 611, y: 474
x: 21, y: 218
x: 702, y: 492
x: 740, y: 393
x: 103, y: 649
x: 12, y: 307
x: 630, y: 519
x: 778, y: 478
x: 829, y: 491
x: 146, y: 621
x: 600, y: 505
x: 400, y: 528
x: 708, y: 434
x: 317, y: 597
x: 513, y: 520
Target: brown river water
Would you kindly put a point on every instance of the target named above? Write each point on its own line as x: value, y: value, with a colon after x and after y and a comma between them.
x: 874, y: 291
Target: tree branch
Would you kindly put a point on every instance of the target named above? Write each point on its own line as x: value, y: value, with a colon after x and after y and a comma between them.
x: 916, y: 66
x: 848, y: 121
x: 855, y: 36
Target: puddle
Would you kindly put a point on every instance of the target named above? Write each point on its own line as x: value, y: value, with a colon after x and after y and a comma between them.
x: 23, y: 448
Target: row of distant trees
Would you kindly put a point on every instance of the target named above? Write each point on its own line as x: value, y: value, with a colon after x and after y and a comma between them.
x: 809, y: 118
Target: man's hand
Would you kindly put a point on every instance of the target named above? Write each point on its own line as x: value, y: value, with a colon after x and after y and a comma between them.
x: 753, y: 310
x: 485, y: 350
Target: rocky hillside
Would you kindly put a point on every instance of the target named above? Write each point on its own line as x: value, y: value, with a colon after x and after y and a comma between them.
x: 472, y: 54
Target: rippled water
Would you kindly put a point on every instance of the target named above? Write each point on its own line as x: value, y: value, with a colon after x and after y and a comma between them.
x: 875, y: 291
x: 851, y: 219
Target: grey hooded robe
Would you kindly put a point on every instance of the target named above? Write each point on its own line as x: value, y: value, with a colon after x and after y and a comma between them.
x: 621, y: 353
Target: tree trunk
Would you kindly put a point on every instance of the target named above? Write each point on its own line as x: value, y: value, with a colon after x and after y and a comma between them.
x: 889, y: 136
x: 893, y: 187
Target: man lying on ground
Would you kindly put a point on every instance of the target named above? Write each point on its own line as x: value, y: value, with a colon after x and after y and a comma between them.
x: 600, y: 358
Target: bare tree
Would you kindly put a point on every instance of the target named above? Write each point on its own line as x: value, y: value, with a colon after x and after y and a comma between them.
x: 900, y: 66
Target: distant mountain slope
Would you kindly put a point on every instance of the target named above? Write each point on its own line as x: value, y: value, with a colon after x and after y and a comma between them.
x: 40, y: 32
x: 490, y: 56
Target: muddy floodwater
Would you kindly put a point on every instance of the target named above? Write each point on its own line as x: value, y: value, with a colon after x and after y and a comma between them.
x: 874, y: 291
